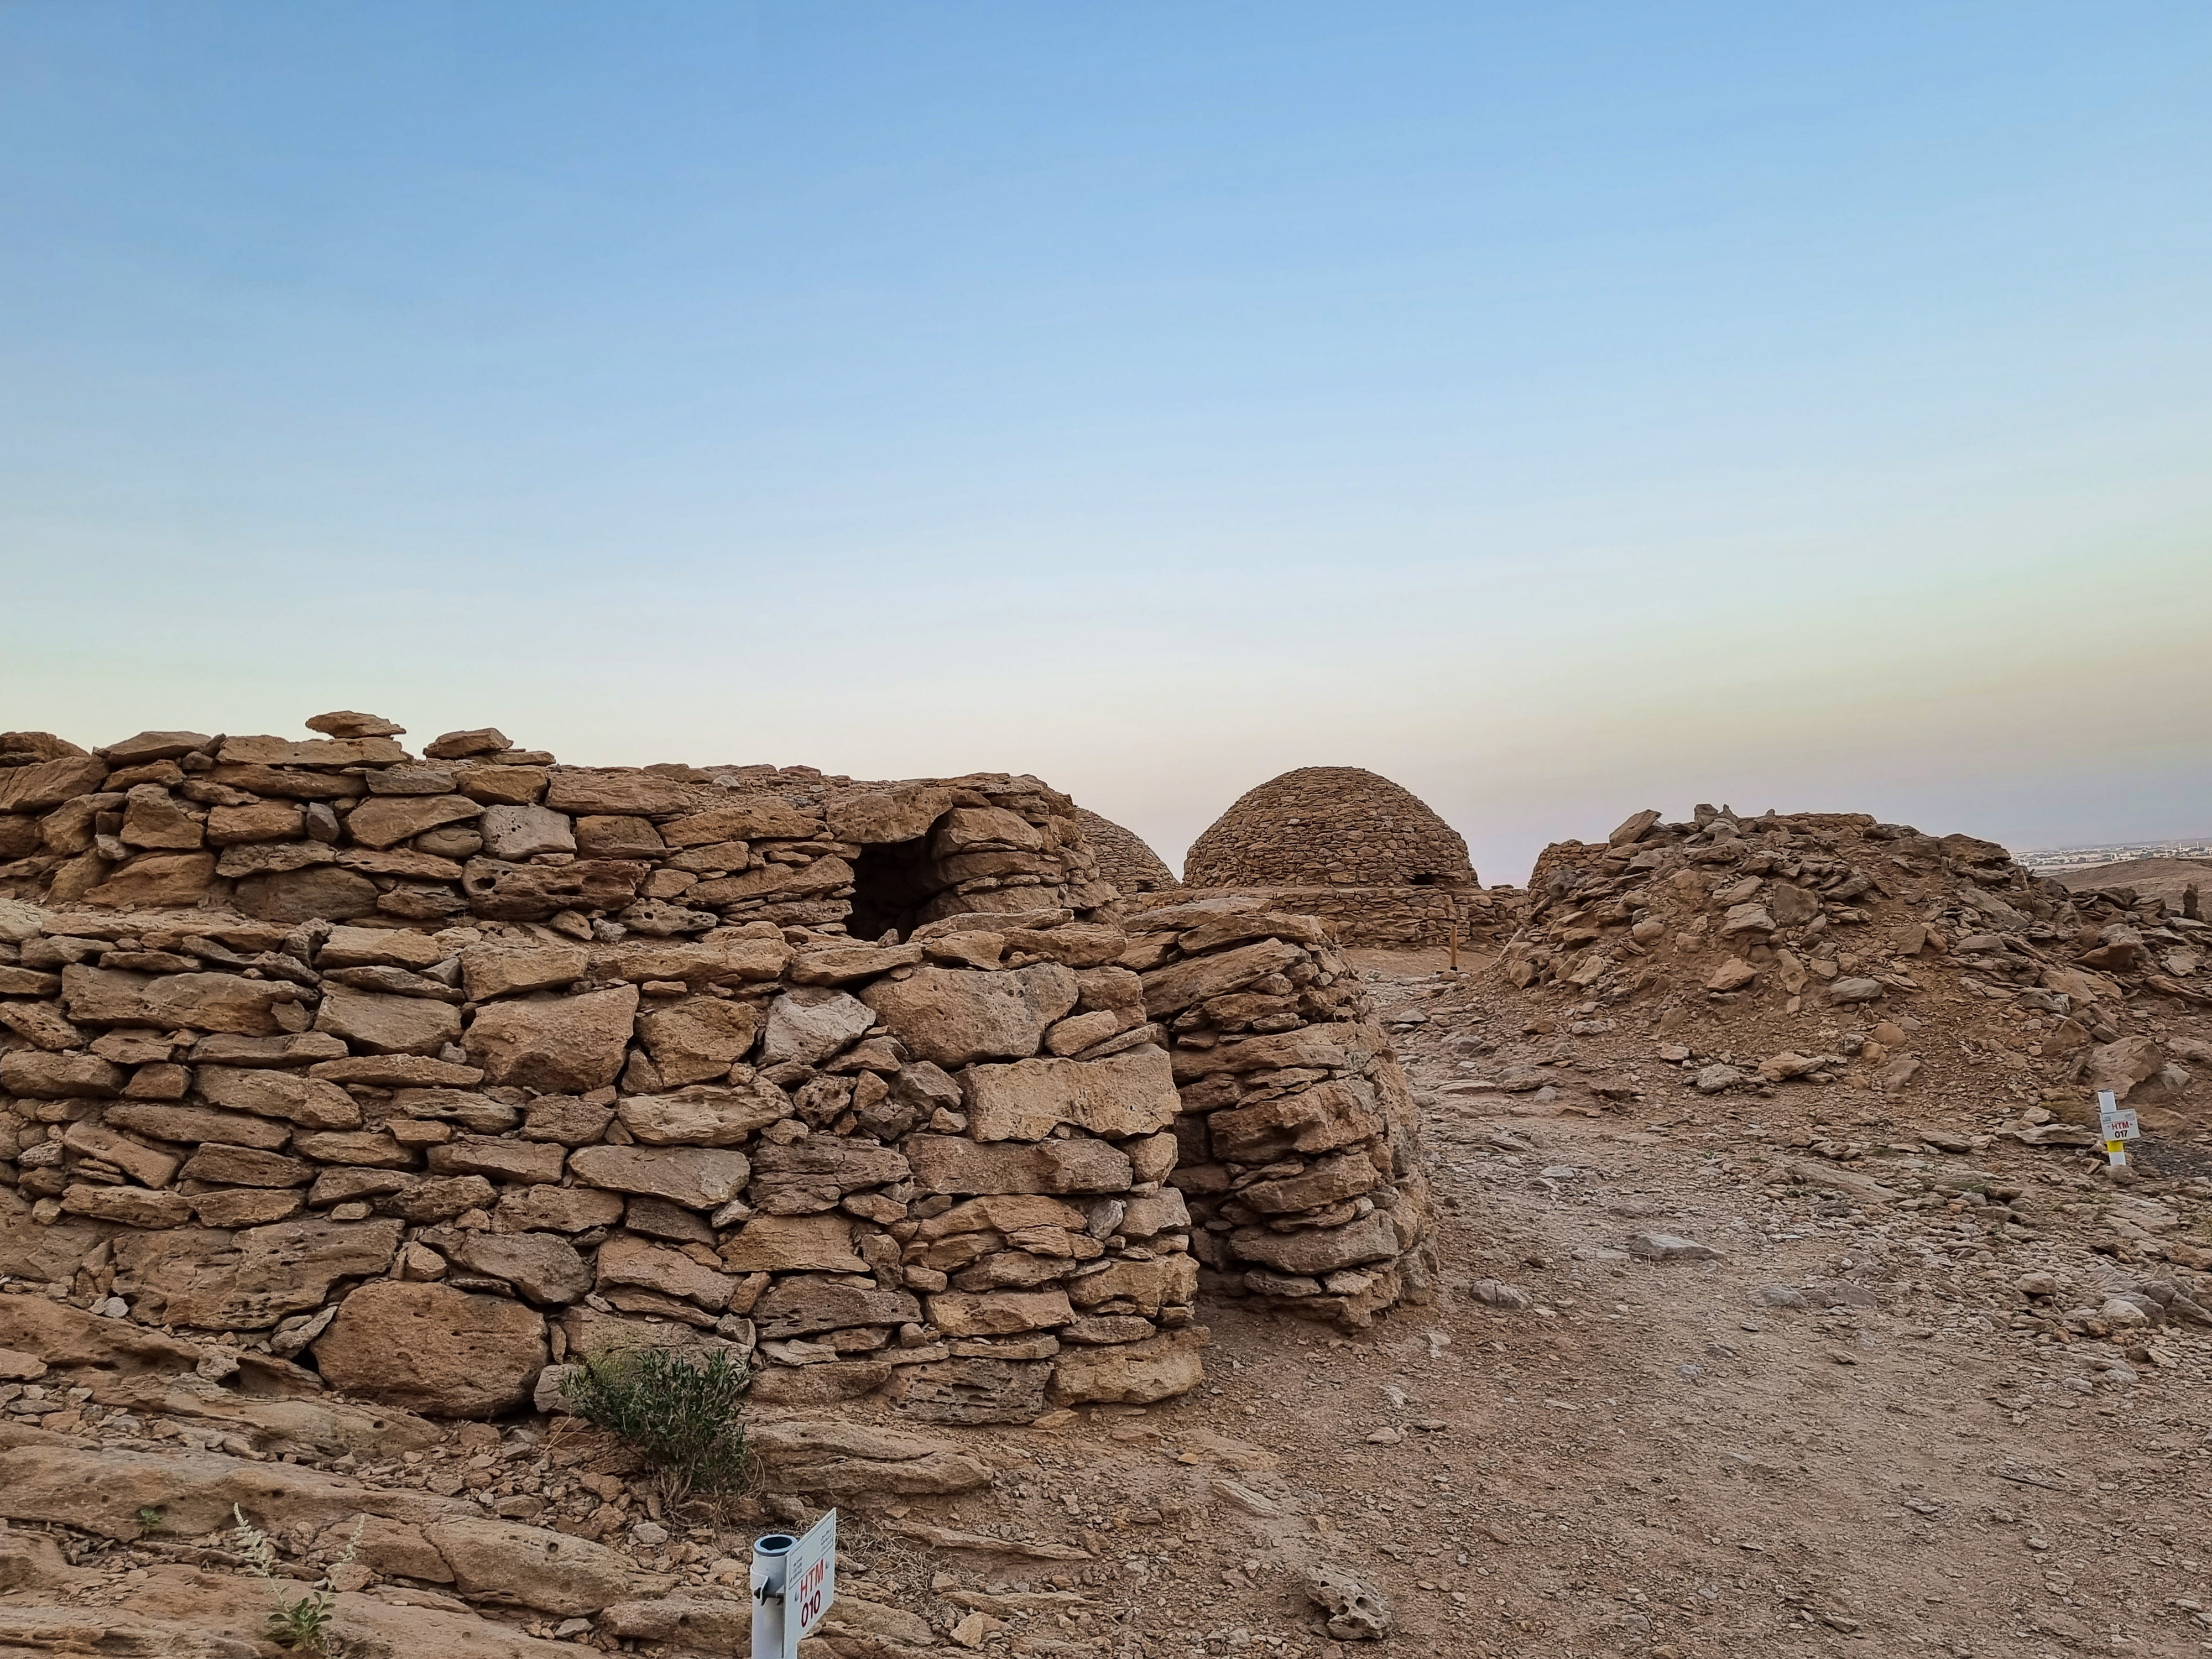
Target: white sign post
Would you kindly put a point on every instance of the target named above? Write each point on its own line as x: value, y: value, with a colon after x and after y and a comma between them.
x: 810, y: 1583
x: 794, y: 1580
x: 2117, y: 1125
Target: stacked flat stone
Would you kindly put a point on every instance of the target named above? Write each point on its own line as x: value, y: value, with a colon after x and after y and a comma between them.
x: 430, y: 1073
x: 353, y: 828
x: 1377, y: 918
x: 1300, y: 1156
x: 1124, y: 859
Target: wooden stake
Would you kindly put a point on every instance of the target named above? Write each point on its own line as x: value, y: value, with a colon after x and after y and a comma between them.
x: 1454, y: 944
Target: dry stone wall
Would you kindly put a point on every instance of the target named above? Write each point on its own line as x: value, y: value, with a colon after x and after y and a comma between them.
x: 1300, y: 1157
x: 431, y: 1073
x: 1377, y: 918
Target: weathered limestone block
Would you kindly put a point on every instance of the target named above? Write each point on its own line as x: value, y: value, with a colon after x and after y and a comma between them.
x: 1339, y: 1112
x: 803, y: 1305
x: 247, y: 1166
x: 627, y: 1260
x: 521, y: 1163
x: 385, y: 1024
x: 972, y: 1391
x: 1340, y: 1045
x: 432, y: 1349
x: 248, y: 1281
x: 478, y: 1113
x: 696, y: 1038
x: 155, y: 818
x: 856, y: 1459
x: 827, y: 1164
x: 246, y: 1207
x: 697, y: 1177
x: 797, y: 1243
x: 1000, y: 1313
x: 1131, y: 1373
x: 1127, y: 1094
x: 167, y: 880
x: 517, y: 833
x: 1170, y: 990
x: 1322, y: 1250
x: 949, y: 1164
x: 198, y: 1002
x: 955, y: 1017
x: 307, y: 894
x: 263, y: 821
x: 701, y: 1115
x: 309, y: 1102
x: 190, y: 1125
x: 1165, y: 1281
x: 809, y: 1025
x: 1326, y: 1181
x: 132, y: 1207
x: 41, y: 787
x: 565, y: 1045
x: 386, y: 820
x: 546, y: 1269
x: 721, y: 962
x: 44, y: 1076
x: 533, y: 892
x: 503, y: 969
x: 555, y: 1209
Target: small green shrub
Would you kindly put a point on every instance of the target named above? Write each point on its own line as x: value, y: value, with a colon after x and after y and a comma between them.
x: 303, y: 1626
x: 682, y: 1414
x: 149, y: 1519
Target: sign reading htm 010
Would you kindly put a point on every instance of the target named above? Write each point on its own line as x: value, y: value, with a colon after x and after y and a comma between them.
x: 810, y: 1583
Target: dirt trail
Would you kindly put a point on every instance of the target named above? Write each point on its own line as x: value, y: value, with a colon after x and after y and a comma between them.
x: 1846, y: 1433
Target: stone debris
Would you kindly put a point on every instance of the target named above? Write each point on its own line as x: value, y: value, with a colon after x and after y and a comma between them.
x: 1817, y: 948
x: 1357, y: 1611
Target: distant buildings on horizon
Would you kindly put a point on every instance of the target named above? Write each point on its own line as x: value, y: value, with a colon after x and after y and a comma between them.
x: 2076, y: 858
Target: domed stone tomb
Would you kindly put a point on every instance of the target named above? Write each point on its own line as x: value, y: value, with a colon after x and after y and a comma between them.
x: 1329, y: 826
x: 1123, y: 858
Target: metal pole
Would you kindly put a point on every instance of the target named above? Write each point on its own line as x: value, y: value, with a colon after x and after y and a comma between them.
x: 771, y: 1552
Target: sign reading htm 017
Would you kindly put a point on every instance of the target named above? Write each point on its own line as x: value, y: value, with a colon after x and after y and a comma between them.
x: 810, y: 1583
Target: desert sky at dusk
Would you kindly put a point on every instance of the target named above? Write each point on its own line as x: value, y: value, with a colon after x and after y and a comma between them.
x: 1561, y: 411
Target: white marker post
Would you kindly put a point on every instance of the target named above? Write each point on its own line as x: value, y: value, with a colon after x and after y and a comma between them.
x: 810, y: 1584
x: 771, y: 1553
x: 794, y: 1581
x: 2117, y: 1125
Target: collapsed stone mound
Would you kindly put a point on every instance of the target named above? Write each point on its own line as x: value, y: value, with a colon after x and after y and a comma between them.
x: 1124, y: 859
x: 428, y: 1074
x: 1345, y: 844
x: 1833, y: 948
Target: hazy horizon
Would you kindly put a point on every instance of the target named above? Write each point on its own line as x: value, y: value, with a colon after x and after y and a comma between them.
x: 1557, y: 412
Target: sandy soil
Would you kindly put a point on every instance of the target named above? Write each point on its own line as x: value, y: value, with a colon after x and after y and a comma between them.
x: 1651, y: 1458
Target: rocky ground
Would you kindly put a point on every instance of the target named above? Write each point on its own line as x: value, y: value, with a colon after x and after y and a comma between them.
x: 1792, y: 1369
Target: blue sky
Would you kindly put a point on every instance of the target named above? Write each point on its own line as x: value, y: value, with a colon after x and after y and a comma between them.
x: 1562, y: 409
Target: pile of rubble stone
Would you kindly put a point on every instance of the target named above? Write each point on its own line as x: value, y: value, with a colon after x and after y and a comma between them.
x: 1833, y: 948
